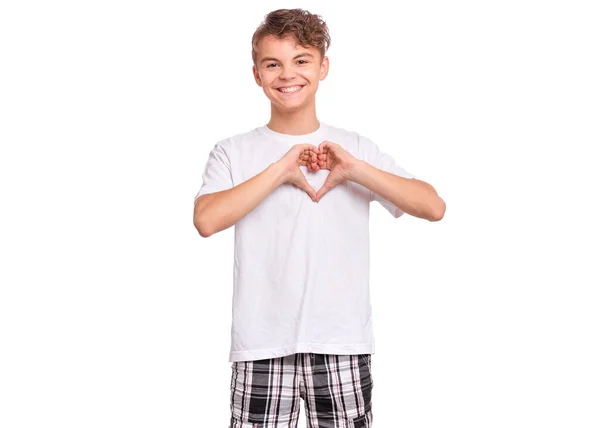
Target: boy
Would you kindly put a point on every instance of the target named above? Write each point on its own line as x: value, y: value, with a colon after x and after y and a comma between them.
x: 298, y: 191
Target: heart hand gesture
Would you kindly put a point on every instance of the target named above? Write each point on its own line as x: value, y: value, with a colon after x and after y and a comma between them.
x: 336, y: 159
x: 300, y: 154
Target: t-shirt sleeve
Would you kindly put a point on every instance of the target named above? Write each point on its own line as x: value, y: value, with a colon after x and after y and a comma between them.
x: 217, y: 172
x: 385, y: 162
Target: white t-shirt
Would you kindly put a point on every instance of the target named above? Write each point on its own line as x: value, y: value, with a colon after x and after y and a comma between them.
x: 301, y: 269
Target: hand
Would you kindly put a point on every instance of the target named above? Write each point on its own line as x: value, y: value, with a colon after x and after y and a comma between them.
x: 336, y: 159
x: 300, y: 154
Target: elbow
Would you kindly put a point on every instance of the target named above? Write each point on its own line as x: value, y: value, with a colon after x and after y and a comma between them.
x: 434, y: 207
x: 201, y: 221
x: 202, y: 227
x: 439, y: 211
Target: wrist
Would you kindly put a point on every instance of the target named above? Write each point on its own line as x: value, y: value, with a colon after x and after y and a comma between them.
x: 279, y: 172
x: 355, y: 170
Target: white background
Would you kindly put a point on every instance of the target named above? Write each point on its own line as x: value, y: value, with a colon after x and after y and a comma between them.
x: 114, y: 312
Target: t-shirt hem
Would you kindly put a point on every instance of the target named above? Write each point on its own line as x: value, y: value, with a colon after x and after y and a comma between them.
x: 302, y: 347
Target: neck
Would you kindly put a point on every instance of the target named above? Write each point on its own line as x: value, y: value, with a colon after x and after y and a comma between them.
x: 293, y: 123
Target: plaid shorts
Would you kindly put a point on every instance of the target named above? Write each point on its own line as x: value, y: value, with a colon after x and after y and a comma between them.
x: 336, y: 390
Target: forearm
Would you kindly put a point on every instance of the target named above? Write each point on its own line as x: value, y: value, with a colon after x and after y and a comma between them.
x: 221, y: 210
x: 414, y: 197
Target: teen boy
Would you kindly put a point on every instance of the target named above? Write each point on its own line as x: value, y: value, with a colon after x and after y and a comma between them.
x: 298, y: 192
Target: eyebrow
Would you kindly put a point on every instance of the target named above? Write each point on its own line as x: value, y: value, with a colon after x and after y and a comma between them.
x: 296, y: 57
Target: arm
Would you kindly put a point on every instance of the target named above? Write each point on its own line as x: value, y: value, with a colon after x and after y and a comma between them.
x: 413, y: 196
x: 214, y: 212
x: 218, y: 211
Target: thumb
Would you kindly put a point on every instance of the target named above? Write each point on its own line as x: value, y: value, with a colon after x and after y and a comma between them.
x: 302, y: 184
x: 324, y: 189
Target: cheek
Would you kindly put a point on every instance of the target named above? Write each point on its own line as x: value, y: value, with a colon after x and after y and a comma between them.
x: 314, y: 81
x: 313, y: 75
x: 267, y: 78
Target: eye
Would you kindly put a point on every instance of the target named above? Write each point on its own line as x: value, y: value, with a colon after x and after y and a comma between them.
x: 271, y: 64
x: 302, y: 61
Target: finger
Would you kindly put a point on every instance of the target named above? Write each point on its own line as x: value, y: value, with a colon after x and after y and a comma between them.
x: 308, y: 189
x: 309, y: 155
x: 324, y: 189
x: 306, y: 147
x: 327, y: 186
x: 311, y: 164
x: 325, y: 146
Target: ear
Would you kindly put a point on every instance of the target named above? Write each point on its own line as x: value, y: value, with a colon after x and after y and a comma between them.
x: 324, y: 68
x: 256, y: 76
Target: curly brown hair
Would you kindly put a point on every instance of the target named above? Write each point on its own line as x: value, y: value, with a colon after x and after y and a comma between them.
x: 307, y: 28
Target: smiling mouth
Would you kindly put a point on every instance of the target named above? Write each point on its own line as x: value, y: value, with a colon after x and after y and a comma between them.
x: 291, y: 90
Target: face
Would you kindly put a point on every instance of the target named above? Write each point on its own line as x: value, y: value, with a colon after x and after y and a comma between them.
x: 281, y: 64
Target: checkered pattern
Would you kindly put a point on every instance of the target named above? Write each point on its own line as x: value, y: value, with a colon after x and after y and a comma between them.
x: 336, y: 390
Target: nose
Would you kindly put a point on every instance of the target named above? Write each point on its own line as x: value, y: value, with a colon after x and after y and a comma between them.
x: 287, y: 73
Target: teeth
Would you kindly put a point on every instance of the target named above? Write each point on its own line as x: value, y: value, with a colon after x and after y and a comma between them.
x: 291, y: 89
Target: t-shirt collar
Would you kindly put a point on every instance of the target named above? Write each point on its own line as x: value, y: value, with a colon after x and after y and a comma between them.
x: 315, y: 137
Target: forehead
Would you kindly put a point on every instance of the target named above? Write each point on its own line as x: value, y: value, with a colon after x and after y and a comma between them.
x: 271, y: 46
